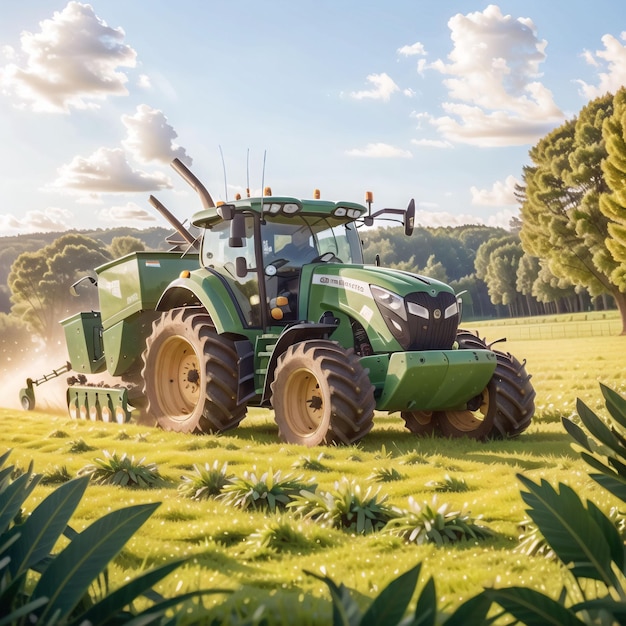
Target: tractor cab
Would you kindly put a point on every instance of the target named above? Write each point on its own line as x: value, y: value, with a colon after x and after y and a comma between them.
x: 260, y: 247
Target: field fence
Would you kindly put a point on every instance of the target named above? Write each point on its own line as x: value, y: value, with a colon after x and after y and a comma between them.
x: 559, y: 330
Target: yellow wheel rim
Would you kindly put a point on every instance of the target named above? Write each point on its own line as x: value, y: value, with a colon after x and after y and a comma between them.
x: 304, y: 404
x: 468, y: 421
x: 177, y: 377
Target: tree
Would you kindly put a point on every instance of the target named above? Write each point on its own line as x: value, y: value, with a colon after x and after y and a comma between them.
x: 40, y: 281
x: 561, y: 219
x: 613, y: 202
x: 501, y: 276
x: 434, y: 269
x: 121, y: 246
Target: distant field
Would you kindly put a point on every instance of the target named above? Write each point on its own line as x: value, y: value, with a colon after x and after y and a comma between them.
x: 220, y: 539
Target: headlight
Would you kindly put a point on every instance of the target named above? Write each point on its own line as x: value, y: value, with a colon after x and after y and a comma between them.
x: 389, y: 300
x: 393, y: 310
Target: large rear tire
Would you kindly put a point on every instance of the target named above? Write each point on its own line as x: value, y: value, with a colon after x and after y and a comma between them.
x: 322, y: 395
x: 190, y: 374
x: 505, y: 407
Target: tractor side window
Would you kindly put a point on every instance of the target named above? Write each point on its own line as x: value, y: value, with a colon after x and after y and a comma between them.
x: 217, y: 254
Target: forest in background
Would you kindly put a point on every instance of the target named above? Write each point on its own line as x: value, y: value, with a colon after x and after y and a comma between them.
x: 482, y: 263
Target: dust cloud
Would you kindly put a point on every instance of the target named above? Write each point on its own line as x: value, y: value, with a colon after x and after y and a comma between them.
x: 34, y: 361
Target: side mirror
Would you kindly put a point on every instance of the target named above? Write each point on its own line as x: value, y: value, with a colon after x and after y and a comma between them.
x: 241, y: 267
x: 237, y: 231
x: 368, y: 220
x: 409, y: 218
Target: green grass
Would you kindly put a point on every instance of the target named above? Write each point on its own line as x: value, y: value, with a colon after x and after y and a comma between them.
x: 263, y: 555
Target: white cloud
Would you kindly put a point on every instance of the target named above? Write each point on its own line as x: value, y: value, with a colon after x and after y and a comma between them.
x: 502, y: 193
x: 383, y: 87
x: 51, y: 219
x: 107, y: 171
x: 416, y: 49
x: 613, y: 60
x: 72, y: 61
x: 431, y: 143
x: 127, y: 213
x: 380, y: 151
x: 8, y: 52
x: 492, y: 71
x: 151, y: 138
x: 144, y: 82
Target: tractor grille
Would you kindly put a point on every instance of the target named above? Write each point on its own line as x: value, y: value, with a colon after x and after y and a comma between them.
x: 433, y: 320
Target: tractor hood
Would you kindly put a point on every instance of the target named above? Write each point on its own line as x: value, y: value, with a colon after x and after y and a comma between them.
x: 394, y: 307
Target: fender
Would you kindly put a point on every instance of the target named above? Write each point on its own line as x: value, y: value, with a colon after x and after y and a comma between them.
x: 292, y: 335
x: 206, y: 290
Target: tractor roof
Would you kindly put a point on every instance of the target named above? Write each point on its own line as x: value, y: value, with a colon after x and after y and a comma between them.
x: 283, y: 206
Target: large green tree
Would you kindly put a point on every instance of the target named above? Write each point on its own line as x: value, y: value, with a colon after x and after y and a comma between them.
x: 40, y: 281
x: 561, y: 219
x: 613, y: 202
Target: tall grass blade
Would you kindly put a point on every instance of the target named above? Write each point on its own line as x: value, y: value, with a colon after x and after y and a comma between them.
x: 69, y: 575
x: 569, y: 529
x: 533, y: 608
x: 40, y: 532
x: 389, y: 606
x: 346, y: 611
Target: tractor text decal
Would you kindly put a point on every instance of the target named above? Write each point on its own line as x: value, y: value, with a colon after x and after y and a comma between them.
x: 342, y: 283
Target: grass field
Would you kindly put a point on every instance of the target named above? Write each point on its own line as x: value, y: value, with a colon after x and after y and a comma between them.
x: 222, y: 541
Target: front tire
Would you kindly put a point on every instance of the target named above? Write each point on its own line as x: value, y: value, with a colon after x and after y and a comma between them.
x: 190, y: 374
x: 420, y: 423
x: 504, y: 408
x: 322, y: 395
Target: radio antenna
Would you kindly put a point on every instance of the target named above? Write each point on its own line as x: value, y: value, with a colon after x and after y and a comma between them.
x: 263, y: 181
x: 224, y: 168
x: 248, y: 172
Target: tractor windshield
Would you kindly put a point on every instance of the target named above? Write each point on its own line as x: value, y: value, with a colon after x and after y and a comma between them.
x: 296, y: 240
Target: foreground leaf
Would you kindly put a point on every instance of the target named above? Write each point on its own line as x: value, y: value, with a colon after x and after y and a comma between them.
x: 426, y: 609
x: 615, y: 404
x: 473, y: 612
x: 40, y: 532
x: 533, y: 608
x: 70, y: 573
x: 569, y: 529
x: 389, y: 606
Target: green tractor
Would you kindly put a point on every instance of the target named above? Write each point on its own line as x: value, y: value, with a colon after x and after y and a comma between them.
x: 274, y: 307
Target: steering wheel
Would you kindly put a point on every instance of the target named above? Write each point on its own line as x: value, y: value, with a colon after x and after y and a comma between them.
x: 327, y: 257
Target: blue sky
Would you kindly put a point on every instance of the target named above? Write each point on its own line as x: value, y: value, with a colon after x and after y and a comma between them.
x: 437, y: 101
